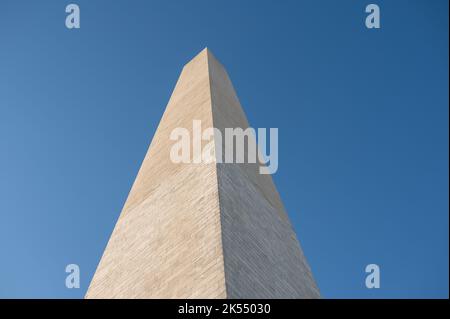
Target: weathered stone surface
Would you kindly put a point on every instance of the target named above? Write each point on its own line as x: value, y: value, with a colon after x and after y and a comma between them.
x: 202, y: 230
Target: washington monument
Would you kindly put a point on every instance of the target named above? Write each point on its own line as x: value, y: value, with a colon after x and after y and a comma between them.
x: 202, y: 230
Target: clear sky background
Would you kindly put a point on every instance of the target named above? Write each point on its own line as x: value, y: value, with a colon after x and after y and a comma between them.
x: 362, y: 117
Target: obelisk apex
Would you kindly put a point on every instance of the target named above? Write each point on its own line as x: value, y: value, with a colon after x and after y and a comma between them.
x: 207, y: 229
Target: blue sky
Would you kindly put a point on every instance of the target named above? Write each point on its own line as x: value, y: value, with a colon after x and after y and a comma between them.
x: 362, y: 117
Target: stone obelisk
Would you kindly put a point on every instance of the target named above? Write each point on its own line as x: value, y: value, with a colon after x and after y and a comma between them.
x: 202, y: 230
